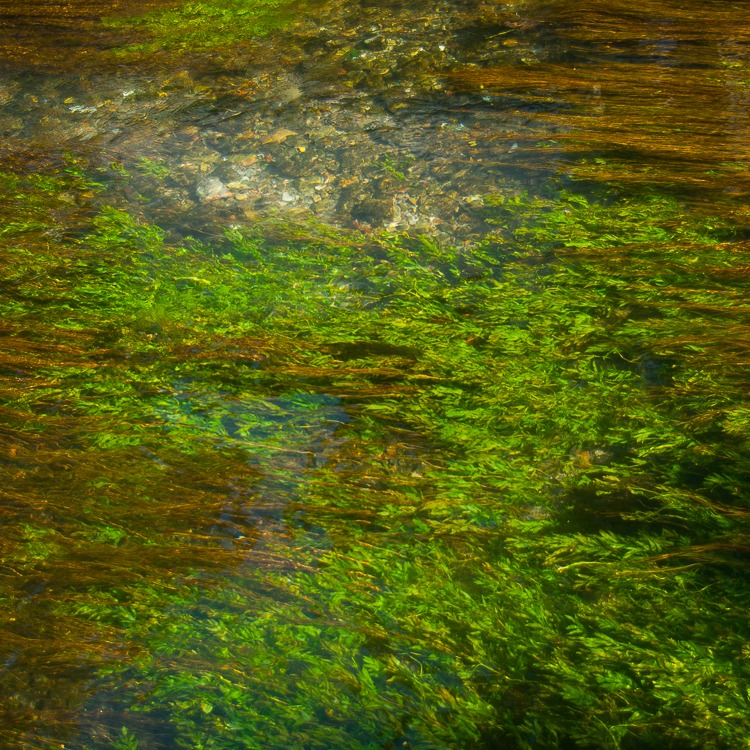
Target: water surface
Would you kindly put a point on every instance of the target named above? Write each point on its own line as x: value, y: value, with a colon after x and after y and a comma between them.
x: 374, y: 375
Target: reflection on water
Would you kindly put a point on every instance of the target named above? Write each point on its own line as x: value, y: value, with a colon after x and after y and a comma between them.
x: 376, y: 382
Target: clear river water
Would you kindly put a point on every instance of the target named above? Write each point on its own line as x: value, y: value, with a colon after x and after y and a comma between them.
x: 374, y: 374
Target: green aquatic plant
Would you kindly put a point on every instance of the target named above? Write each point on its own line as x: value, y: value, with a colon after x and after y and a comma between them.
x: 98, y: 34
x: 301, y: 488
x: 203, y: 24
x: 305, y: 488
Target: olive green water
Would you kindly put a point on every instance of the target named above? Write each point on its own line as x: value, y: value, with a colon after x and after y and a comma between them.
x: 374, y: 375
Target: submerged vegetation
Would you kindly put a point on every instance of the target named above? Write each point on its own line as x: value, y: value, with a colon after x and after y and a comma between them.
x: 196, y: 26
x: 288, y: 485
x: 99, y: 34
x: 455, y: 498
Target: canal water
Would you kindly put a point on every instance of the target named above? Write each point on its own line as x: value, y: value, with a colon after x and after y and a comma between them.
x: 374, y: 374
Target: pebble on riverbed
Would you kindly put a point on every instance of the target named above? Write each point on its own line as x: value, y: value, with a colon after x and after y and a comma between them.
x: 212, y: 189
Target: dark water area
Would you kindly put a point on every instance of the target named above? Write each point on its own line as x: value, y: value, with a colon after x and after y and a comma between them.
x: 374, y: 375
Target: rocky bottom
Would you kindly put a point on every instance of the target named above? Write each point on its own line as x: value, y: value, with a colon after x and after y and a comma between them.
x: 348, y: 117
